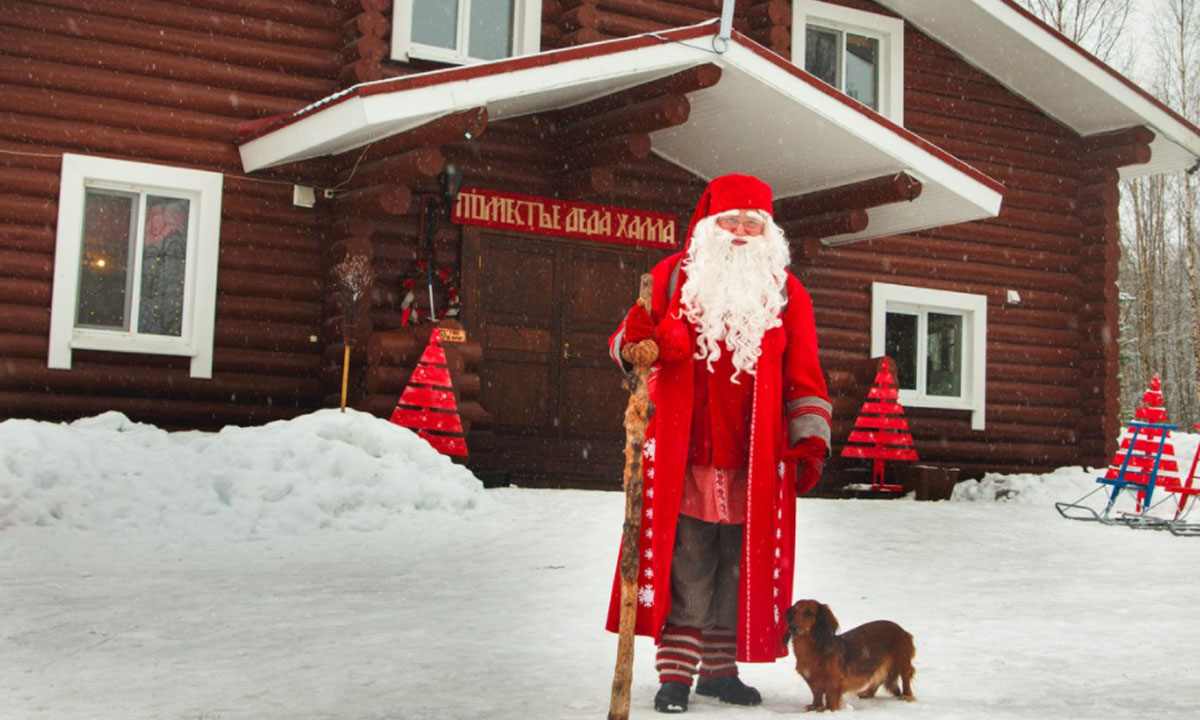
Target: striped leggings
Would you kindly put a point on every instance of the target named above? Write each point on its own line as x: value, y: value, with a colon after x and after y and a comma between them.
x: 698, y: 636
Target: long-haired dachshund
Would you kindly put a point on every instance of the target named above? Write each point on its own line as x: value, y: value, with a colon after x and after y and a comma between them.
x: 860, y: 660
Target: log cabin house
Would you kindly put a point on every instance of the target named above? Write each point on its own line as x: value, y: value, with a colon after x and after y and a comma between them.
x: 180, y: 180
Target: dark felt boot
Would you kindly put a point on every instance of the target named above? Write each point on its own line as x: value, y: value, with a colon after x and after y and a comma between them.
x: 729, y: 689
x: 672, y: 697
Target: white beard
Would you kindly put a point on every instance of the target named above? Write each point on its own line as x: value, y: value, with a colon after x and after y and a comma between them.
x: 734, y: 294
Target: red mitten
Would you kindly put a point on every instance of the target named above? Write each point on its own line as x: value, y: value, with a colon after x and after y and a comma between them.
x: 639, y: 326
x: 809, y: 456
x: 672, y: 338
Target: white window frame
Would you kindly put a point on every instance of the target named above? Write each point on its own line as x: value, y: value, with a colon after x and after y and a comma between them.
x: 888, y: 30
x: 527, y: 33
x: 887, y: 298
x: 203, y: 189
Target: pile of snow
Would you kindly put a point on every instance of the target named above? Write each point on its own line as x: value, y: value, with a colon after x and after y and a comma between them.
x: 324, y: 470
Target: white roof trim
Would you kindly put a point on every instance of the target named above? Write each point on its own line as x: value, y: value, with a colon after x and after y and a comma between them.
x: 1059, y: 77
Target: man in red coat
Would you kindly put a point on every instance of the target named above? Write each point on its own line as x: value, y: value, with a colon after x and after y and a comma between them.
x: 741, y: 426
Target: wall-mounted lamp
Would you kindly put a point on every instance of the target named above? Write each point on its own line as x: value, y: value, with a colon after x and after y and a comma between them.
x: 450, y: 181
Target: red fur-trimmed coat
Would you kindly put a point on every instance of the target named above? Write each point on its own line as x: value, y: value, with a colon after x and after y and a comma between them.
x: 790, y: 402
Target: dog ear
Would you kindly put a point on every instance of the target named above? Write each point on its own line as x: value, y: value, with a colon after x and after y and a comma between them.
x: 825, y: 626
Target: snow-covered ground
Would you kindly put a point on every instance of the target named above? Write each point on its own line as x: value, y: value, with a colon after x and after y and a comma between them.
x: 335, y: 567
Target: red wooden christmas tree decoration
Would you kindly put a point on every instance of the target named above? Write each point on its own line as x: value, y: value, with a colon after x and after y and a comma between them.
x: 881, y: 432
x: 427, y: 404
x: 1140, y: 467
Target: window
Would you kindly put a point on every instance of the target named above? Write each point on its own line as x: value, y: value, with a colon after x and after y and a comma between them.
x: 938, y: 340
x: 465, y: 31
x: 135, y: 263
x: 857, y: 52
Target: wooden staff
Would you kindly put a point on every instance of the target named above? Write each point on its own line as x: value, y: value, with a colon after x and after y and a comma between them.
x: 642, y: 355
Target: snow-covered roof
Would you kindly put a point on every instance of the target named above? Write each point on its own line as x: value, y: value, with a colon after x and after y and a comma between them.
x: 1065, y: 81
x: 803, y: 136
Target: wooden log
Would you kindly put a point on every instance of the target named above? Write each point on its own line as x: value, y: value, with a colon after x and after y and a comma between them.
x: 1119, y: 155
x: 148, y: 90
x: 316, y: 15
x: 861, y: 195
x: 1034, y: 220
x: 224, y: 24
x: 770, y: 12
x: 368, y: 22
x: 116, y: 113
x: 284, y: 287
x: 269, y: 261
x: 773, y: 37
x: 26, y: 265
x: 268, y: 236
x: 667, y: 13
x: 258, y: 335
x: 631, y: 146
x: 100, y: 139
x: 27, y: 238
x: 43, y: 183
x: 357, y: 6
x: 20, y: 345
x: 187, y: 45
x: 30, y: 210
x: 590, y: 183
x: 239, y: 206
x: 1136, y: 135
x: 421, y: 162
x: 680, y: 83
x: 389, y: 199
x: 365, y: 47
x: 175, y: 413
x: 23, y: 291
x: 20, y: 374
x: 235, y: 307
x: 264, y: 362
x: 584, y: 36
x: 360, y: 71
x: 827, y: 224
x: 646, y: 116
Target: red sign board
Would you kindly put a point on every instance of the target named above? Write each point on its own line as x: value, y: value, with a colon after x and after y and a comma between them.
x: 563, y: 218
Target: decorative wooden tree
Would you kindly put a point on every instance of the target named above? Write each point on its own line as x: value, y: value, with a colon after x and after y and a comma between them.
x: 1146, y: 456
x: 881, y: 432
x: 427, y: 404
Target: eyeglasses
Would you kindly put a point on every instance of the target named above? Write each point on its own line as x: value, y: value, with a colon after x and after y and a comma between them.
x: 753, y: 226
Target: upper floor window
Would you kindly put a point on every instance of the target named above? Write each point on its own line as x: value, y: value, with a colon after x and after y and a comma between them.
x: 465, y: 31
x: 938, y: 340
x: 857, y: 52
x: 135, y: 263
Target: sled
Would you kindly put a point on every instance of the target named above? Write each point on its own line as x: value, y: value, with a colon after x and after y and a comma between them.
x: 1137, y: 475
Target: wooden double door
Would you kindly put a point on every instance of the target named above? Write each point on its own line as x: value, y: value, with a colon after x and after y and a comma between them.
x: 545, y: 310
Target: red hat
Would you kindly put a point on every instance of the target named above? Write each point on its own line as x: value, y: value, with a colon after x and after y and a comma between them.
x: 731, y: 192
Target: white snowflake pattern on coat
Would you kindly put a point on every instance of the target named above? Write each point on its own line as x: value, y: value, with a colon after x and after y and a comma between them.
x: 648, y: 450
x: 781, y: 470
x: 646, y: 597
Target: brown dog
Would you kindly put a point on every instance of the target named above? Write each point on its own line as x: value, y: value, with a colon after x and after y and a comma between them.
x: 870, y: 655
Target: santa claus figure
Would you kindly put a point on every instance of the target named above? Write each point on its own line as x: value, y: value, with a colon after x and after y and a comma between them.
x: 741, y: 426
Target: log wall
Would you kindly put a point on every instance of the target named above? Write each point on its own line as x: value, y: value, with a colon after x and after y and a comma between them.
x: 167, y: 83
x: 1051, y: 370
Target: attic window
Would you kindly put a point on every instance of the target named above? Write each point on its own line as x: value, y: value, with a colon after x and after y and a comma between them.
x: 857, y: 52
x: 465, y: 31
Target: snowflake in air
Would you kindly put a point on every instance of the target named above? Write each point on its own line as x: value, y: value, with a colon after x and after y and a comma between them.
x: 646, y: 596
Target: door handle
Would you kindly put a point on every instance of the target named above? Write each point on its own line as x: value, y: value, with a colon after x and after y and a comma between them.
x: 566, y: 350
